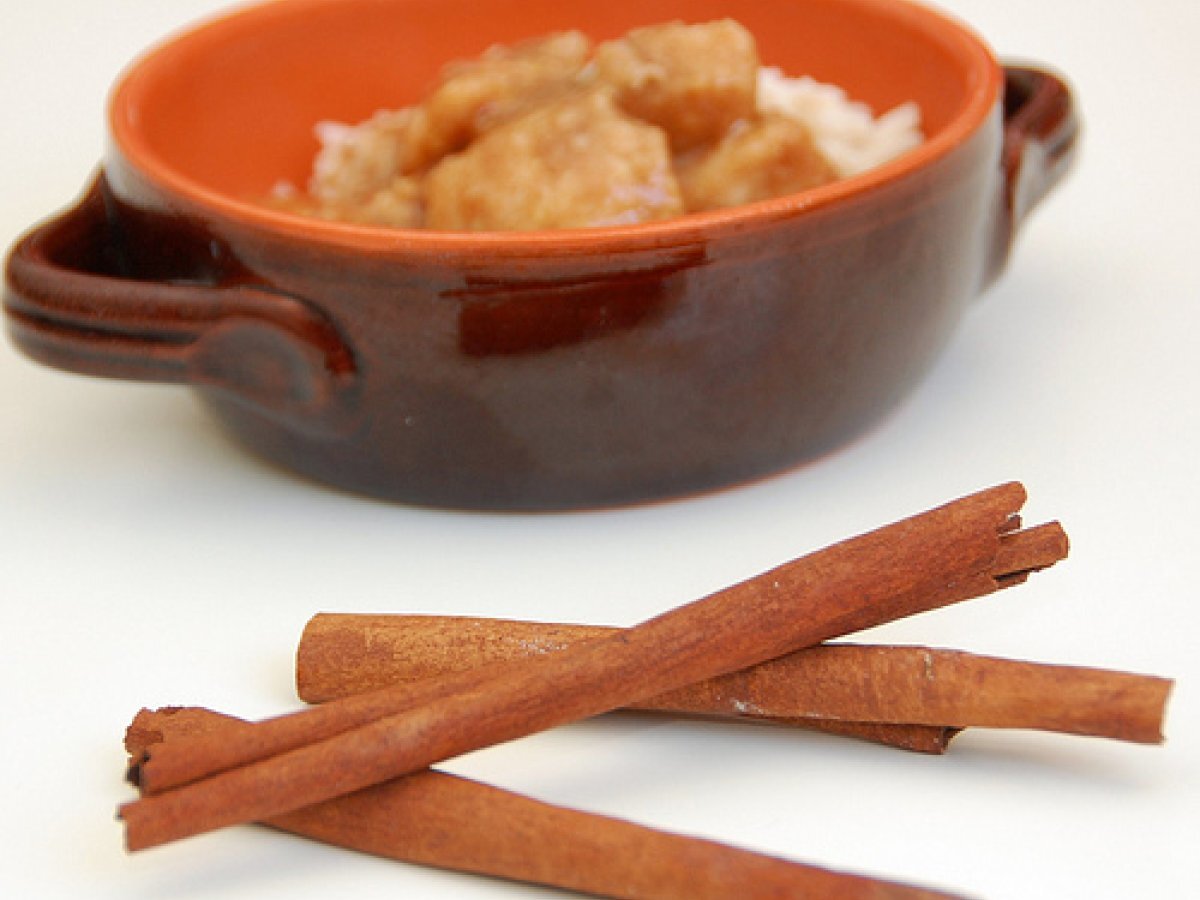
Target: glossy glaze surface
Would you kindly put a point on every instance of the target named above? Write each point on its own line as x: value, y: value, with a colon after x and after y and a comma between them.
x: 529, y: 371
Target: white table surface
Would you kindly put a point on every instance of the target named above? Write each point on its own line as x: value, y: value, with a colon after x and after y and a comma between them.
x: 147, y: 561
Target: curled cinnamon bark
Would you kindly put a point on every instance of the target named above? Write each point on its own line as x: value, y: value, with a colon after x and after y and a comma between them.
x: 851, y: 684
x: 437, y: 819
x: 964, y: 549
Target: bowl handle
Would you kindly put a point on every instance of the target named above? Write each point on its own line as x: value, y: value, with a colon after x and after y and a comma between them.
x: 272, y: 352
x: 1041, y: 130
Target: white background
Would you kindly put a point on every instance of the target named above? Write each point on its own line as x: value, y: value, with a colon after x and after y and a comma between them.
x: 146, y: 561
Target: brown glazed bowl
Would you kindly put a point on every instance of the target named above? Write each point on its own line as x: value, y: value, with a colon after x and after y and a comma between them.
x: 529, y: 370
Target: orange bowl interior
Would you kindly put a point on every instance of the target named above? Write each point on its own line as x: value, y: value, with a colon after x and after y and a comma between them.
x: 227, y: 109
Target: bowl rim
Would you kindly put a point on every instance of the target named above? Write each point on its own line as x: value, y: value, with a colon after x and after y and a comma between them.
x: 689, y: 229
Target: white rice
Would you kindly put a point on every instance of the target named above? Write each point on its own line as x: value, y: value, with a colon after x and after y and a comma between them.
x: 852, y: 139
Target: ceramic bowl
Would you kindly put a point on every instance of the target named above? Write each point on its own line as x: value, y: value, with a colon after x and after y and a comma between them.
x: 529, y: 370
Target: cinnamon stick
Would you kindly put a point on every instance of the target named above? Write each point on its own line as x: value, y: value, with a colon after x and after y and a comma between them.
x: 964, y: 549
x: 342, y: 655
x: 852, y: 684
x: 437, y: 819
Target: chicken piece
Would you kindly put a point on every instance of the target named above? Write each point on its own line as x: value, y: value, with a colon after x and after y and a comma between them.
x: 356, y: 162
x: 693, y: 80
x: 506, y: 81
x: 769, y: 157
x: 398, y: 205
x: 574, y: 163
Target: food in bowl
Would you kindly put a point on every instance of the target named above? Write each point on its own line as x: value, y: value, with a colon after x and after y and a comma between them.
x: 555, y: 133
x: 530, y: 370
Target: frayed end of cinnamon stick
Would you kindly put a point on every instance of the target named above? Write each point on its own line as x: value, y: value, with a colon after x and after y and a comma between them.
x: 144, y: 731
x: 1027, y: 551
x: 151, y: 727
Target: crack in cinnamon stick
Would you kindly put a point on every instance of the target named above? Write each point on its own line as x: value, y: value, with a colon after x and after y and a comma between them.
x: 948, y: 554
